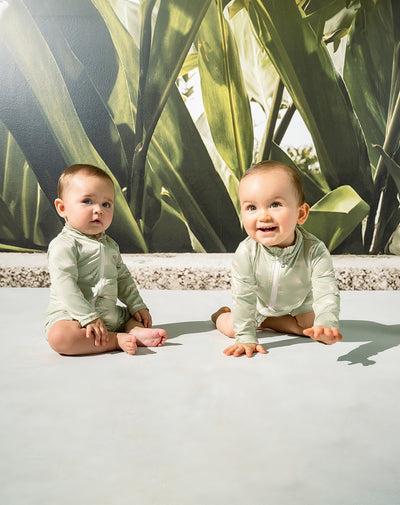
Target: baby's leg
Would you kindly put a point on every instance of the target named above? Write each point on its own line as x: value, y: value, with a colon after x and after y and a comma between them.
x: 223, y: 320
x: 145, y: 337
x: 69, y: 338
x: 290, y: 324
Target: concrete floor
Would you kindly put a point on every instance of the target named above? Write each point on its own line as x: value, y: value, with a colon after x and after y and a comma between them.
x: 186, y: 425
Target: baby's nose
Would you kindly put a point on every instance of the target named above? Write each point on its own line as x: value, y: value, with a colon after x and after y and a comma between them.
x: 263, y: 214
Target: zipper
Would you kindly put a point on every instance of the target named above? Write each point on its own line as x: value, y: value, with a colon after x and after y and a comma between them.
x: 275, y: 282
x: 102, y: 264
x: 100, y: 284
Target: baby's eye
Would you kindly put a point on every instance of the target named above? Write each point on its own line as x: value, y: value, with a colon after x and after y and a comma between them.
x: 275, y: 204
x: 107, y: 205
x: 251, y: 208
x: 87, y: 201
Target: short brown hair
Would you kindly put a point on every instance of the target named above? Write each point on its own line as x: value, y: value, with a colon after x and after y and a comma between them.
x: 269, y: 165
x: 80, y: 168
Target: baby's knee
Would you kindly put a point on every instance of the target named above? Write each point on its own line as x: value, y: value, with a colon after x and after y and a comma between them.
x: 58, y: 340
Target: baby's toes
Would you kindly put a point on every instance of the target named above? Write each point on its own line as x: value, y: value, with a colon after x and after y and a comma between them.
x: 131, y: 346
x: 162, y: 334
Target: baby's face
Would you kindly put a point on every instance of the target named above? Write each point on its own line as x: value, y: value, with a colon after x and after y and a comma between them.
x: 87, y: 203
x: 270, y: 208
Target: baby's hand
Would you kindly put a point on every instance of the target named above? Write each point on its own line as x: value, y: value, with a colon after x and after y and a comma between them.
x: 98, y: 330
x: 248, y: 349
x: 324, y: 334
x: 144, y: 317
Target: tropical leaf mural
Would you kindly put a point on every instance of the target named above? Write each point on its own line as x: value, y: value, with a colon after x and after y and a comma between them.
x: 99, y: 81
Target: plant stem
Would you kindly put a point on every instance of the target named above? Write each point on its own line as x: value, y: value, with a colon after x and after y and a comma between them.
x: 284, y: 123
x: 381, y: 183
x: 136, y: 183
x: 265, y: 148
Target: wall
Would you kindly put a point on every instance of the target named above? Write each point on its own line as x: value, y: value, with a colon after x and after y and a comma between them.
x: 73, y: 89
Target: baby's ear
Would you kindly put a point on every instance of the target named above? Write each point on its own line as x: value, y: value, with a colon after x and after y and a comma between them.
x: 60, y: 207
x: 304, y: 209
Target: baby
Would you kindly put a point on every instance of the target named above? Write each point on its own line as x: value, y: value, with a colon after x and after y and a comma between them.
x: 88, y: 275
x: 282, y: 276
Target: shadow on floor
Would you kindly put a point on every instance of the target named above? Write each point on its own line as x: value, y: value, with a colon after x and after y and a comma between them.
x: 175, y: 330
x: 376, y: 338
x: 373, y: 337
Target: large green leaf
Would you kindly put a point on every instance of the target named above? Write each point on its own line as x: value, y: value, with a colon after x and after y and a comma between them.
x: 376, y: 38
x: 178, y: 155
x: 368, y: 67
x: 392, y: 166
x: 258, y: 71
x: 332, y: 19
x: 224, y: 94
x: 336, y: 216
x: 306, y: 69
x: 313, y: 189
x: 162, y: 54
x: 177, y: 24
x: 26, y: 217
x: 31, y: 55
x: 178, y: 158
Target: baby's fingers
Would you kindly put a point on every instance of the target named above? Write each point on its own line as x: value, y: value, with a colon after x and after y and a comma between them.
x: 234, y: 350
x: 89, y: 331
x: 230, y: 350
x: 309, y: 332
x: 104, y: 336
x: 338, y: 336
x: 147, y: 321
x: 260, y: 349
x: 248, y: 350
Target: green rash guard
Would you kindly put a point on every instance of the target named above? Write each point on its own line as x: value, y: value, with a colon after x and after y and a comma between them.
x: 273, y: 281
x: 88, y: 276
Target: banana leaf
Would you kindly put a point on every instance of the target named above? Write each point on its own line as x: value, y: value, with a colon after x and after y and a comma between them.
x: 331, y: 20
x: 27, y: 220
x: 368, y: 67
x: 390, y: 163
x: 224, y: 94
x: 31, y: 61
x: 313, y: 189
x: 318, y: 92
x: 162, y: 54
x: 336, y: 216
x: 178, y: 158
x: 258, y: 71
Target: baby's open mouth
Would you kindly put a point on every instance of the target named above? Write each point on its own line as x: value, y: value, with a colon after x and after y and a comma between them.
x: 267, y: 228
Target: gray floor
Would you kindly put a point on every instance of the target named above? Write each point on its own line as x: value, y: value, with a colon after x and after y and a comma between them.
x: 186, y: 425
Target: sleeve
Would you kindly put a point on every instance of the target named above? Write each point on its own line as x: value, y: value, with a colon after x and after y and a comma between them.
x: 326, y: 294
x: 244, y: 298
x: 127, y: 290
x: 64, y: 282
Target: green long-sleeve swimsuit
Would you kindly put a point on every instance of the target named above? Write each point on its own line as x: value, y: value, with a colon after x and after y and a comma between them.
x: 88, y: 276
x: 273, y: 281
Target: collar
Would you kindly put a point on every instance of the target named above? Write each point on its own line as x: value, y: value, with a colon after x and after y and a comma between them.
x: 284, y: 252
x: 79, y: 234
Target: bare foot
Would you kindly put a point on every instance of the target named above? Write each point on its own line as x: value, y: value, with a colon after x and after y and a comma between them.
x: 127, y: 342
x: 220, y: 311
x: 149, y: 337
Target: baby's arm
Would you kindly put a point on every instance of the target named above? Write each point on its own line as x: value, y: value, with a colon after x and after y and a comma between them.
x: 63, y: 268
x: 326, y: 334
x: 128, y: 293
x: 326, y: 299
x: 244, y: 302
x: 249, y: 349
